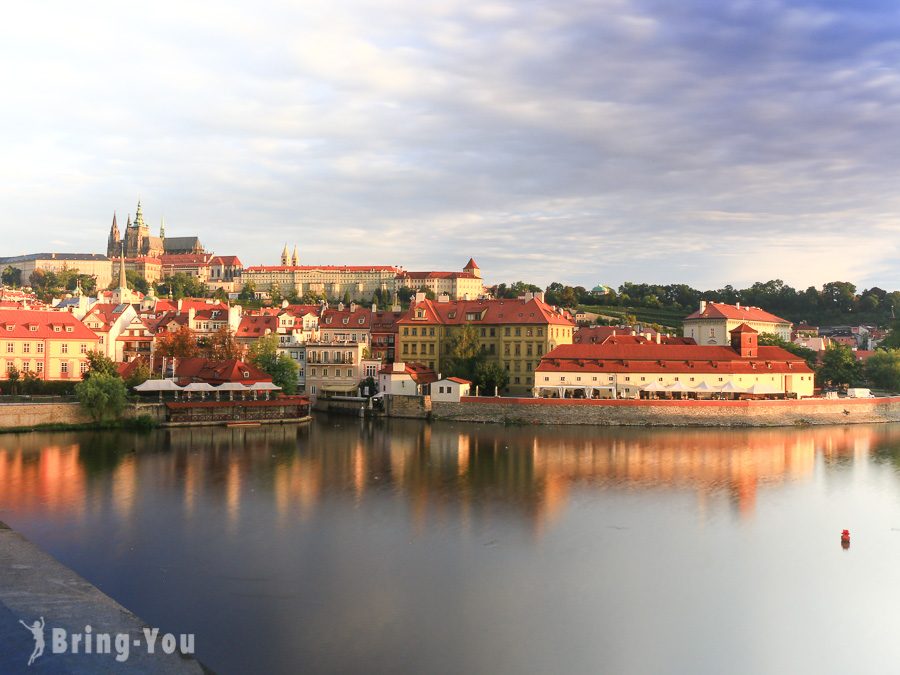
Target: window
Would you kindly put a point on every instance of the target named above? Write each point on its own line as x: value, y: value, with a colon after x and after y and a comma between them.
x: 84, y: 367
x: 40, y: 367
x: 349, y: 372
x: 33, y: 329
x: 518, y: 332
x: 26, y: 348
x: 40, y: 347
x: 65, y: 347
x: 324, y: 372
x: 83, y: 348
x: 506, y: 331
x: 10, y: 347
x: 64, y: 367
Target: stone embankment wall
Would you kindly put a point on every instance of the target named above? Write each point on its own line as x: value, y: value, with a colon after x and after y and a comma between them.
x: 27, y: 415
x: 669, y: 413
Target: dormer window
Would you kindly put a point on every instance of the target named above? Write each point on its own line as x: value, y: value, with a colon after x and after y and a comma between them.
x: 33, y: 329
x: 69, y: 329
x: 10, y: 327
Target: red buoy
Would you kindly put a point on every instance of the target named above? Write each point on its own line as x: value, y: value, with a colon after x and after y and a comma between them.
x: 845, y: 538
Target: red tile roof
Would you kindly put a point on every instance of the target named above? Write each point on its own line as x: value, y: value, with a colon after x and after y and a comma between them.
x: 419, y: 372
x: 17, y: 323
x: 196, y: 369
x: 719, y: 310
x: 488, y: 312
x: 654, y: 358
x: 255, y: 326
x: 438, y: 275
x: 360, y: 319
x: 226, y: 260
x: 458, y: 380
x: 471, y: 264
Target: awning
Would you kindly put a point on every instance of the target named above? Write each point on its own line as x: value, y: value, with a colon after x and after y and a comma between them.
x: 654, y: 386
x: 762, y: 388
x: 678, y: 386
x: 264, y: 386
x: 730, y: 387
x: 703, y: 386
x: 199, y: 386
x: 158, y: 385
x: 231, y: 386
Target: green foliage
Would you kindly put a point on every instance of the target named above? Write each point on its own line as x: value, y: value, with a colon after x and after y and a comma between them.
x: 103, y: 396
x: 100, y: 364
x: 138, y: 376
x: 134, y: 281
x: 839, y: 366
x: 48, y: 284
x: 11, y: 276
x: 248, y: 292
x: 12, y: 378
x: 490, y: 375
x: 811, y: 356
x: 181, y: 285
x: 882, y: 369
x: 892, y: 339
x: 282, y: 368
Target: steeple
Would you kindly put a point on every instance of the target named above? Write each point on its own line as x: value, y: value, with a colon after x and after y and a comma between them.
x: 284, y: 256
x: 295, y: 258
x: 112, y: 244
x: 122, y: 283
x: 162, y: 228
x: 128, y: 224
x: 139, y: 216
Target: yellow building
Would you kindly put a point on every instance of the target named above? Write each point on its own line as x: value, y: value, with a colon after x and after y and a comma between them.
x: 651, y: 370
x: 52, y: 345
x: 713, y: 322
x: 515, y: 333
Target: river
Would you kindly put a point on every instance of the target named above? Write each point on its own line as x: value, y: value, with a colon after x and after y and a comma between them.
x: 397, y: 546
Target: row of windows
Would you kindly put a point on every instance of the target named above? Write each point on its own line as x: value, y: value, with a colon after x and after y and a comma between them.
x: 38, y: 367
x: 39, y: 348
x: 313, y: 372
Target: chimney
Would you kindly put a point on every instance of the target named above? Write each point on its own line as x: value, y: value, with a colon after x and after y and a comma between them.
x: 352, y: 306
x: 179, y: 305
x: 420, y: 297
x: 340, y: 306
x: 659, y: 338
x: 738, y: 305
x: 539, y: 295
x: 443, y: 297
x: 702, y: 306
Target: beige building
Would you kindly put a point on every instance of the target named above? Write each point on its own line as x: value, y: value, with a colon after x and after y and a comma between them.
x: 714, y: 321
x: 651, y: 370
x: 333, y: 368
x: 97, y: 266
x: 465, y: 285
x: 515, y: 333
x: 52, y: 345
x: 330, y: 281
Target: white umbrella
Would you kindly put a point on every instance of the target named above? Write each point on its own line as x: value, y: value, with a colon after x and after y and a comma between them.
x: 158, y: 385
x: 731, y: 387
x: 703, y: 386
x: 231, y: 387
x: 202, y: 387
x: 678, y: 386
x: 264, y: 386
x: 761, y: 388
x: 654, y: 386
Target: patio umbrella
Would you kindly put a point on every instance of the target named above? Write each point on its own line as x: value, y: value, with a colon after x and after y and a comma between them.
x: 202, y: 387
x: 231, y: 387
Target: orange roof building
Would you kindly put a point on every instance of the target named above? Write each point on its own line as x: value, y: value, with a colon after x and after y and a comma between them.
x: 515, y: 333
x: 52, y: 345
x: 713, y: 322
x: 681, y: 371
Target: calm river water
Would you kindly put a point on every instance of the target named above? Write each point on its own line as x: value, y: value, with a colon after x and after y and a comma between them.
x: 367, y: 547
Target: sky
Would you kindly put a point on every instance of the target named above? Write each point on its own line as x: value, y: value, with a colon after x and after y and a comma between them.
x: 586, y: 142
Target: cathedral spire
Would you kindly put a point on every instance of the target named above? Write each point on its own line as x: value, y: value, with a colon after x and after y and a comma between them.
x: 139, y: 216
x: 162, y: 228
x: 295, y: 258
x: 112, y: 243
x: 284, y: 255
x: 122, y: 284
x: 114, y: 230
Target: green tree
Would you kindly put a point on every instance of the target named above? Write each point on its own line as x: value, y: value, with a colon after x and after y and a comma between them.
x: 11, y: 276
x: 490, y: 375
x: 138, y: 376
x: 465, y: 353
x: 134, y: 281
x: 882, y: 369
x: 181, y: 285
x: 282, y: 368
x: 248, y: 292
x: 103, y: 396
x: 181, y: 343
x: 12, y: 378
x: 839, y: 366
x: 100, y: 364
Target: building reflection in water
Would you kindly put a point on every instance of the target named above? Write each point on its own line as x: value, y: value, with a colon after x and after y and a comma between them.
x: 468, y: 472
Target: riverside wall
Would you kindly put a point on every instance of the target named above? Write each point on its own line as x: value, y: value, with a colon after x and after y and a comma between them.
x: 669, y: 413
x: 22, y: 415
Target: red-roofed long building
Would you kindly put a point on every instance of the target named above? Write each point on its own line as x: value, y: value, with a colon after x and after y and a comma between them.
x: 648, y: 370
x: 713, y: 322
x: 52, y: 345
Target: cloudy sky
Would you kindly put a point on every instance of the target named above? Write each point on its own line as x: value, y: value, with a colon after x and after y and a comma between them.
x: 582, y: 141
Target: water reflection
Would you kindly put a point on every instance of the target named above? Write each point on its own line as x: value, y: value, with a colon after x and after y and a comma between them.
x: 523, y: 471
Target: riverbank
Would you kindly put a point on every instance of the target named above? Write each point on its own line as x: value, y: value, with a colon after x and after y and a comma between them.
x: 690, y: 413
x: 629, y: 412
x: 34, y: 585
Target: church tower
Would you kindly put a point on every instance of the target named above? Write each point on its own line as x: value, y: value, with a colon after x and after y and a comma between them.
x: 284, y: 256
x: 295, y: 258
x: 113, y: 244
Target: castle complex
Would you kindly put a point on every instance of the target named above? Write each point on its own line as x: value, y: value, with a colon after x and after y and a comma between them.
x: 139, y: 243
